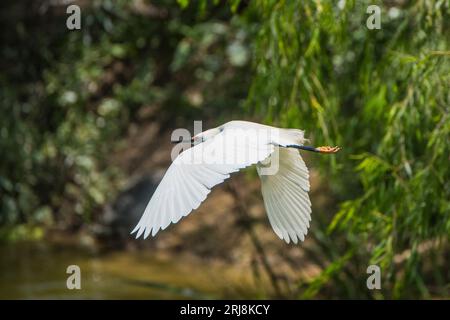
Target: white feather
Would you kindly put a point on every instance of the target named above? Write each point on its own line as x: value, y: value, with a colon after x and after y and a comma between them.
x: 191, y: 176
x: 286, y: 196
x: 228, y: 149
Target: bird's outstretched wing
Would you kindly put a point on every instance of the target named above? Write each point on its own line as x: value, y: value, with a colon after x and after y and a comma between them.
x: 286, y: 196
x: 194, y: 172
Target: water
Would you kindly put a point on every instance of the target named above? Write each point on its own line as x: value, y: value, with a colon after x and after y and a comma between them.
x: 38, y: 270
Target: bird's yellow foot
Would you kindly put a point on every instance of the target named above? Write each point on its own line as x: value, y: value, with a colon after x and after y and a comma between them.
x: 327, y: 149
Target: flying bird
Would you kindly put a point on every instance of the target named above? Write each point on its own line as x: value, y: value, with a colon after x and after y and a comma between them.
x: 220, y: 151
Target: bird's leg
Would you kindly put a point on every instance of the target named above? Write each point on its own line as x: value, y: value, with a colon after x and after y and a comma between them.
x: 325, y: 149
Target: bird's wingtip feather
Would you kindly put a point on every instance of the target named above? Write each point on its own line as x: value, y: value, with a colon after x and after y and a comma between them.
x: 135, y: 229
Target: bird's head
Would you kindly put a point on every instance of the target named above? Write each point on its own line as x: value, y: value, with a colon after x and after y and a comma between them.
x: 205, y: 135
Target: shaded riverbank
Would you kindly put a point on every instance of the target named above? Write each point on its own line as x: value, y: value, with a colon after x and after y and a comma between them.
x: 38, y: 270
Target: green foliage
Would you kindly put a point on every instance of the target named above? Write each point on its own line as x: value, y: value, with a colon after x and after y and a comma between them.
x: 68, y: 96
x: 383, y: 95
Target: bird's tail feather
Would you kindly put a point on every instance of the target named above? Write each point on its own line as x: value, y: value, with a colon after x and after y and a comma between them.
x: 292, y: 137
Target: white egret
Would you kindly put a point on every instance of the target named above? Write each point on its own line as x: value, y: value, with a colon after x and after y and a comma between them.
x: 229, y: 148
